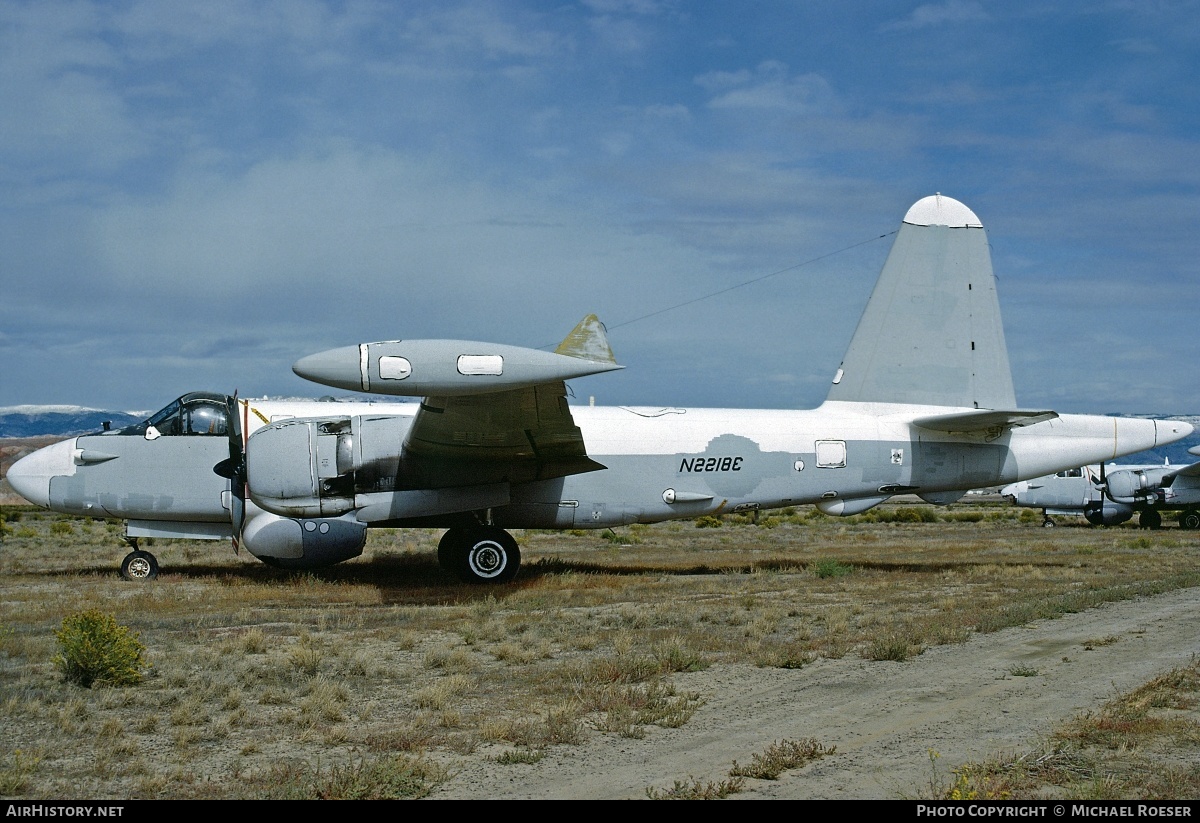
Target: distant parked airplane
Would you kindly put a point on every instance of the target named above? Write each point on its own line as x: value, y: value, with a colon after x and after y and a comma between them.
x: 1108, y: 495
x: 923, y: 404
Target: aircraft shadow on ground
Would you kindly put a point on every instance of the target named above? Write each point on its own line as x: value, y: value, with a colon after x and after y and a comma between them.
x: 418, y: 579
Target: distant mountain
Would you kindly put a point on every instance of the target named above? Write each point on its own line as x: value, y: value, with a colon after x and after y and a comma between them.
x: 60, y: 421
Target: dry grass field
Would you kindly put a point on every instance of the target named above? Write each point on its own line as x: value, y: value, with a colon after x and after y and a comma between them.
x: 385, y: 677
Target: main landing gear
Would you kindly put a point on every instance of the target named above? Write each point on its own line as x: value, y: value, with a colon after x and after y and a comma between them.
x: 480, y: 554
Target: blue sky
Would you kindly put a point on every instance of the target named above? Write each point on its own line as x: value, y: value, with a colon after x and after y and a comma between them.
x: 193, y: 196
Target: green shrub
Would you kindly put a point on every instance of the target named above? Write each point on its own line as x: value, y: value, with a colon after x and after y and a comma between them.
x: 96, y: 650
x: 831, y: 568
x: 708, y: 522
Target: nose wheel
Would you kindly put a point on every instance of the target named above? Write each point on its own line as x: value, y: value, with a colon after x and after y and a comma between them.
x: 139, y: 565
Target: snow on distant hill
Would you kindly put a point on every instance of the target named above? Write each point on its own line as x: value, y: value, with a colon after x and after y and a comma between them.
x: 63, y: 421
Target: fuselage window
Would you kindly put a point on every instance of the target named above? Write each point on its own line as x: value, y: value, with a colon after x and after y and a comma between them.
x: 1071, y: 473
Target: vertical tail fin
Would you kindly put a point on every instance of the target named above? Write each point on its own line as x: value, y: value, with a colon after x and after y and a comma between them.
x: 931, y: 332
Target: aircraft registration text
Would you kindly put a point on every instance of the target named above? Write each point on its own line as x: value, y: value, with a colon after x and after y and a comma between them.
x: 711, y: 464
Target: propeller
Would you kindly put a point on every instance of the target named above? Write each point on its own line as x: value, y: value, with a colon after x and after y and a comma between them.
x: 234, y: 468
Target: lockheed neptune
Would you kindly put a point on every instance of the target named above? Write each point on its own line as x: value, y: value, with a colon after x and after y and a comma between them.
x: 1109, y: 495
x: 922, y: 403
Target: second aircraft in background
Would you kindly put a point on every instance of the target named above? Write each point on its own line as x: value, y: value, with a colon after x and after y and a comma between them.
x: 1110, y: 494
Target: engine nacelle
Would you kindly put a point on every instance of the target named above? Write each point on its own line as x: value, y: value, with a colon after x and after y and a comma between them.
x: 1107, y: 513
x: 1128, y: 485
x: 303, y: 543
x: 302, y: 468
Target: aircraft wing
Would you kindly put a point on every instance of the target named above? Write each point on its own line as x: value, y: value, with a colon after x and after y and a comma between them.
x: 489, y: 413
x: 1188, y: 472
x: 515, y: 436
x: 982, y: 420
x: 1194, y: 469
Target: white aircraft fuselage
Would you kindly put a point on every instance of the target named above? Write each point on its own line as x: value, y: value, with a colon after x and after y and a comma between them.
x: 922, y: 404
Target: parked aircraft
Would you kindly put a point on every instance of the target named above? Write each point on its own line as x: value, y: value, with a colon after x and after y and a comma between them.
x: 922, y: 403
x: 1108, y: 495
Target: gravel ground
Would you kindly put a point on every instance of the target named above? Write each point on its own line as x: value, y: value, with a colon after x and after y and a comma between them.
x: 882, y: 717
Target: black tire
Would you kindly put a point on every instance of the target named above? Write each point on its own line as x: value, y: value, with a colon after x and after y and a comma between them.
x: 451, y: 549
x: 1048, y: 523
x: 1149, y: 519
x: 1190, y: 519
x: 139, y: 565
x: 487, y: 555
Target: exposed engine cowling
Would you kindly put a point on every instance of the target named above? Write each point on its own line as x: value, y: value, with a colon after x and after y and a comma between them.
x: 303, y: 543
x: 302, y: 468
x: 1107, y: 513
x: 1130, y: 485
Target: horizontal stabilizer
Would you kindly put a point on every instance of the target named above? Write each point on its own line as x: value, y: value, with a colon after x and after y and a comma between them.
x: 982, y: 420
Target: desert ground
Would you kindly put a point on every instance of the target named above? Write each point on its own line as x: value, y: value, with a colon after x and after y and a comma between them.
x: 648, y: 661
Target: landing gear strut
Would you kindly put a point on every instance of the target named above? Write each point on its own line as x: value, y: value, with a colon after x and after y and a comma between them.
x: 480, y: 554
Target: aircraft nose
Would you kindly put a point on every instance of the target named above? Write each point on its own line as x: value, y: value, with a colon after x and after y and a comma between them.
x: 30, y: 476
x: 1013, y: 489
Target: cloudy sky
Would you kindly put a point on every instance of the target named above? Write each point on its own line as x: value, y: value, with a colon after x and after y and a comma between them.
x: 195, y: 195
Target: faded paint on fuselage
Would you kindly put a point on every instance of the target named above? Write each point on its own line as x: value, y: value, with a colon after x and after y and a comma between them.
x: 691, y: 455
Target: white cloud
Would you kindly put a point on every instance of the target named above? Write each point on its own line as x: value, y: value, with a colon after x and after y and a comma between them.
x: 949, y: 12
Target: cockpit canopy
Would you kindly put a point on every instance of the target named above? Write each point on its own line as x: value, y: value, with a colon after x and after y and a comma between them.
x: 196, y: 413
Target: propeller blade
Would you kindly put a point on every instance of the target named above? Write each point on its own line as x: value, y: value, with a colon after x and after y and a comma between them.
x: 238, y: 423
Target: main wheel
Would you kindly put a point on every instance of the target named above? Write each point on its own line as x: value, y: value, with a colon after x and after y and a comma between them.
x: 487, y: 555
x: 1190, y: 519
x: 451, y: 549
x: 139, y: 565
x: 1149, y: 519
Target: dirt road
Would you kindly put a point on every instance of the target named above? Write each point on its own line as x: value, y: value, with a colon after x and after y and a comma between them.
x: 883, y: 717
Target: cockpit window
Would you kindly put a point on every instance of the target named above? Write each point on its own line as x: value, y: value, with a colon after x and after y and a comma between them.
x: 1071, y: 473
x: 201, y: 413
x: 167, y: 420
x: 205, y: 417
